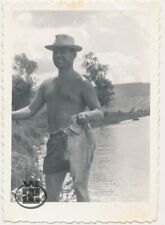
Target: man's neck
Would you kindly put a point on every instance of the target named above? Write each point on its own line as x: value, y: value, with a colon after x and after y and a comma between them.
x: 66, y: 72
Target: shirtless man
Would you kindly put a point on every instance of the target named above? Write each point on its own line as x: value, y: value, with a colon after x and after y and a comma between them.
x: 65, y: 96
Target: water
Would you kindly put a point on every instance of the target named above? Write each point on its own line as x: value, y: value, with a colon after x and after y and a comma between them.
x: 120, y: 170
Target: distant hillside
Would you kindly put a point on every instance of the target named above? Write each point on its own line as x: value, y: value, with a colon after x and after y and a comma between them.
x: 132, y: 89
x: 131, y: 96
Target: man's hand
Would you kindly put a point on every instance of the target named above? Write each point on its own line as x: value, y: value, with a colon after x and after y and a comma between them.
x: 82, y: 118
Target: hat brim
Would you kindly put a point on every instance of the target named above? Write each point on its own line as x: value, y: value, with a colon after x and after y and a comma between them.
x: 52, y: 47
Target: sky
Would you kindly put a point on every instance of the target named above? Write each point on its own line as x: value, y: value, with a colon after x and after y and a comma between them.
x: 121, y: 40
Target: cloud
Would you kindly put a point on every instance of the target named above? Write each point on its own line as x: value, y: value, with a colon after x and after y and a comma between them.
x: 114, y: 38
x: 106, y: 30
x: 123, y: 68
x: 31, y: 41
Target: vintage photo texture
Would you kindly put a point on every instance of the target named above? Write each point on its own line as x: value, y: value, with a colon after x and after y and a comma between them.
x: 118, y: 58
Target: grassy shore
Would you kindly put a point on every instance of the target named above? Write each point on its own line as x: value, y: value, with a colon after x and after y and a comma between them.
x: 26, y: 136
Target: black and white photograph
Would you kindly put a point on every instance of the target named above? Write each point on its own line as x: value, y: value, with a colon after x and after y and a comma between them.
x: 82, y: 108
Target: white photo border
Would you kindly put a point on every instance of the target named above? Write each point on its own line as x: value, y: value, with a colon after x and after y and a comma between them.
x: 80, y: 212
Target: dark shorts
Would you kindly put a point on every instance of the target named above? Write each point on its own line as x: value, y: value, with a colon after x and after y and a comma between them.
x: 54, y: 161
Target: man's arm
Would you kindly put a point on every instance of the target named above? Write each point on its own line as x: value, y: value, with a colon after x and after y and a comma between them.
x: 90, y: 99
x: 31, y: 109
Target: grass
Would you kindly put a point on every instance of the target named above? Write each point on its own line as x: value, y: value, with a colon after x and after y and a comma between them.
x: 25, y: 135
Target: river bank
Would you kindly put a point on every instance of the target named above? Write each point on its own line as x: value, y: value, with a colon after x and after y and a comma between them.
x: 117, y: 117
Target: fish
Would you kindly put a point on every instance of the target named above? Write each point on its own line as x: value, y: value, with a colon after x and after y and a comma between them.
x: 80, y: 149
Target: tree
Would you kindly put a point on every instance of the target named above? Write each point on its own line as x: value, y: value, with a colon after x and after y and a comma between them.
x: 22, y: 81
x: 96, y: 74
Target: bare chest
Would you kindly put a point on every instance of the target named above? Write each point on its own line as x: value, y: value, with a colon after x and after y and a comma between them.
x: 63, y: 92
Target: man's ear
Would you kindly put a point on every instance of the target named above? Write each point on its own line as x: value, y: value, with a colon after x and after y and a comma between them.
x: 74, y: 52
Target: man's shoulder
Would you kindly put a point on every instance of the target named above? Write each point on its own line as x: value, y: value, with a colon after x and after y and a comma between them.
x: 87, y: 84
x: 83, y: 80
x: 47, y: 82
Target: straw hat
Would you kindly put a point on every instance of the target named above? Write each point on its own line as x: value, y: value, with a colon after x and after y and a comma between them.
x: 64, y: 40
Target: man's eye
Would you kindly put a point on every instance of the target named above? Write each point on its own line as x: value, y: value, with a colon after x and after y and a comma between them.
x: 63, y: 51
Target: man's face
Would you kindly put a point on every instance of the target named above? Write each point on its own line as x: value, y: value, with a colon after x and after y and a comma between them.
x: 63, y: 57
